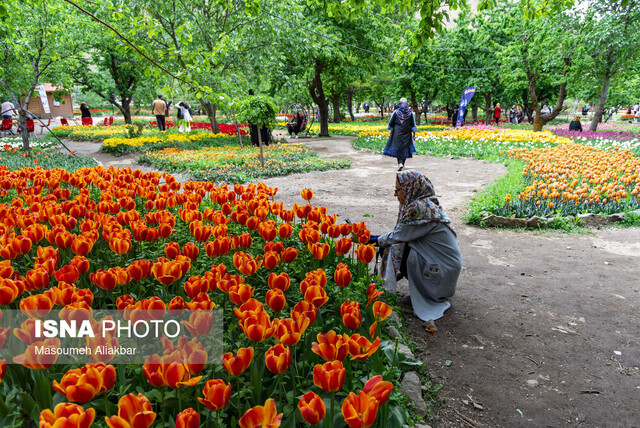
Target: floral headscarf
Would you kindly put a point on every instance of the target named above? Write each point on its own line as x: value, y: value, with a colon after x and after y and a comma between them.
x: 403, y: 111
x: 421, y: 205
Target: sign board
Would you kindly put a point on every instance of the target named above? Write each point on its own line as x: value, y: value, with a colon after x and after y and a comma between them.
x: 43, y: 97
x: 467, y: 94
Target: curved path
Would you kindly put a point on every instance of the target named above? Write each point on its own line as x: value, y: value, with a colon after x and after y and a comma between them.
x: 544, y: 326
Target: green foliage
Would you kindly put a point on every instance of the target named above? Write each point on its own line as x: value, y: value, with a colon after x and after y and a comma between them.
x: 47, y: 159
x: 257, y: 109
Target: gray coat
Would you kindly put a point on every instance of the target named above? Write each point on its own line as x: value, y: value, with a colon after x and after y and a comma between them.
x: 433, y: 265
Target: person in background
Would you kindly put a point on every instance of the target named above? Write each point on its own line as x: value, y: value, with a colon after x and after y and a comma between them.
x: 497, y: 112
x: 159, y: 109
x: 295, y: 125
x: 513, y: 113
x: 403, y: 128
x: 8, y: 109
x: 454, y: 116
x: 575, y: 124
x: 85, y: 115
x: 184, y: 116
x: 423, y: 247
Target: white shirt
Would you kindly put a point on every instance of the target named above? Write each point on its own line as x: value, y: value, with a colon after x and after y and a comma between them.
x: 7, y: 108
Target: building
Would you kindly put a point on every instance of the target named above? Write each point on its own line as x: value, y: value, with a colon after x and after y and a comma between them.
x: 56, y: 109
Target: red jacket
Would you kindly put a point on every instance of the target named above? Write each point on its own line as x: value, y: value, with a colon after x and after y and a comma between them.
x: 497, y: 112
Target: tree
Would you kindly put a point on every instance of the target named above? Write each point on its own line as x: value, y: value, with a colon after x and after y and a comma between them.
x: 35, y: 40
x: 607, y: 47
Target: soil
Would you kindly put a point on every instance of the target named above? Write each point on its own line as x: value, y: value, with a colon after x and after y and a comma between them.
x: 543, y: 329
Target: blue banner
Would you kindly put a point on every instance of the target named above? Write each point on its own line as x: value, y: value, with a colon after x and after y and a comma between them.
x: 467, y: 94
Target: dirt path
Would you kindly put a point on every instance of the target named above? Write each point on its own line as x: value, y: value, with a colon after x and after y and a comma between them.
x: 543, y: 331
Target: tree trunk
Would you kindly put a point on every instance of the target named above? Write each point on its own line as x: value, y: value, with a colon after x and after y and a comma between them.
x: 210, y: 108
x: 474, y: 113
x: 350, y: 92
x: 125, y: 108
x: 317, y: 94
x: 22, y: 124
x: 335, y: 101
x: 487, y: 108
x: 597, y: 117
x: 415, y: 108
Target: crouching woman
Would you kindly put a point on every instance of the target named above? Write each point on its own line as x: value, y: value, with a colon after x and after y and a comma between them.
x: 422, y: 247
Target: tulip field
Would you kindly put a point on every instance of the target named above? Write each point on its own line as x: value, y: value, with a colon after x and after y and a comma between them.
x: 303, y: 340
x: 555, y: 174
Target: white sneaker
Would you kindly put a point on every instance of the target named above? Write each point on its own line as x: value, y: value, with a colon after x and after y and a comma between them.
x: 400, y: 167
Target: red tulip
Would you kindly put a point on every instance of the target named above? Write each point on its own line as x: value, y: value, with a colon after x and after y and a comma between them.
x: 134, y: 411
x: 261, y: 416
x: 350, y: 312
x: 188, y: 418
x: 365, y: 253
x: 39, y: 360
x: 216, y: 394
x: 343, y: 246
x: 278, y: 359
x: 237, y: 364
x: 285, y: 230
x: 331, y: 346
x: 381, y: 310
x: 312, y: 408
x: 342, y: 275
x: 67, y: 415
x: 307, y: 194
x: 281, y: 281
x: 276, y: 300
x: 359, y: 411
x: 329, y: 376
x: 378, y: 389
x: 289, y: 255
x: 270, y: 260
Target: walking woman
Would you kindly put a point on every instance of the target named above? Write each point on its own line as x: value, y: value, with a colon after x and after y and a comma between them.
x: 422, y: 247
x: 403, y: 132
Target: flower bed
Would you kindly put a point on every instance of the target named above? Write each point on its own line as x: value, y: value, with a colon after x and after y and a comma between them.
x: 484, y: 142
x: 356, y: 128
x: 233, y: 164
x: 224, y: 128
x: 571, y: 179
x: 157, y: 141
x: 43, y: 155
x: 302, y: 319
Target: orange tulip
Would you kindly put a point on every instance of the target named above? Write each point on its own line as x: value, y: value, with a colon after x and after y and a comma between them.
x: 276, y: 300
x: 248, y: 308
x: 372, y: 293
x: 216, y: 394
x: 329, y: 376
x: 257, y: 327
x: 331, y: 346
x: 172, y: 249
x: 235, y: 365
x: 261, y: 416
x: 289, y: 255
x: 281, y: 281
x: 81, y: 263
x: 267, y: 232
x: 81, y: 246
x: 191, y: 250
x: 365, y: 253
x: 312, y: 408
x: 240, y: 293
x: 343, y: 246
x: 176, y: 305
x: 68, y: 274
x: 307, y: 194
x: 350, y: 312
x: 82, y: 384
x: 67, y: 415
x: 285, y: 230
x: 134, y: 411
x: 21, y: 244
x: 270, y: 260
x: 378, y: 389
x: 120, y: 245
x: 381, y: 310
x: 9, y: 291
x: 27, y: 331
x: 37, y: 279
x: 361, y: 348
x: 359, y: 411
x: 307, y: 309
x: 104, y: 279
x: 167, y: 272
x: 140, y: 269
x: 316, y: 296
x: 342, y: 275
x: 319, y: 251
x: 200, y: 322
x: 39, y: 360
x: 278, y: 359
x: 36, y: 306
x: 188, y: 418
x: 6, y: 270
x: 288, y: 331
